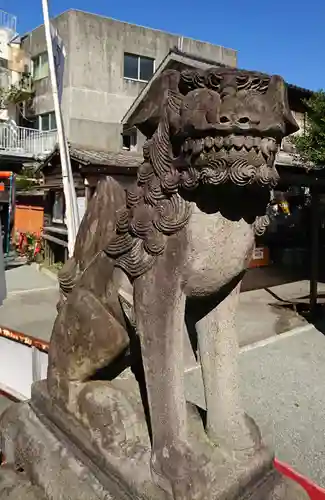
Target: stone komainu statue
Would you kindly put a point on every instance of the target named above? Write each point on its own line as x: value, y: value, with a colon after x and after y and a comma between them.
x: 179, y: 242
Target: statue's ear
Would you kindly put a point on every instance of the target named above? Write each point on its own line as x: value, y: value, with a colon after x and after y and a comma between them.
x: 149, y: 111
x: 278, y: 94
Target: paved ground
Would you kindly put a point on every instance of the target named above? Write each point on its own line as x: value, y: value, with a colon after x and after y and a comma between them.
x: 32, y: 297
x: 27, y: 278
x: 283, y: 389
x: 31, y: 304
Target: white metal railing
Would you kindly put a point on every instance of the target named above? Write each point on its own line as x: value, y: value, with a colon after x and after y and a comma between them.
x: 21, y: 364
x: 26, y: 141
x: 8, y: 21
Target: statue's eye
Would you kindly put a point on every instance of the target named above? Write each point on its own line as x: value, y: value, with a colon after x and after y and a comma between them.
x: 224, y: 119
x: 243, y: 119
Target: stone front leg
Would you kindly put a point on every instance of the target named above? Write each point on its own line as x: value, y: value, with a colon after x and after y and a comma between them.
x: 227, y: 424
x: 159, y: 309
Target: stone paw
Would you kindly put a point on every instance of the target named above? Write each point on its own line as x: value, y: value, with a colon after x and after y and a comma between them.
x: 182, y: 472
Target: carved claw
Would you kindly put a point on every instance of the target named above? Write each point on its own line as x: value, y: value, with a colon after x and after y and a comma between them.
x: 181, y: 472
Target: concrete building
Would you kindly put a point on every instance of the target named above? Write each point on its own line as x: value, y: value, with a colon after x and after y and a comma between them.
x: 108, y: 63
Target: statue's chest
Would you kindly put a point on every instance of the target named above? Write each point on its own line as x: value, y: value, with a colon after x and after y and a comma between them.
x: 218, y: 250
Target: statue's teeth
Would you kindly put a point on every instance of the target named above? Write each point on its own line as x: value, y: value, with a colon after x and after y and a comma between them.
x: 238, y: 141
x: 265, y: 147
x: 198, y: 146
x: 249, y: 142
x: 218, y: 141
x: 227, y: 142
x: 273, y: 147
x: 208, y: 142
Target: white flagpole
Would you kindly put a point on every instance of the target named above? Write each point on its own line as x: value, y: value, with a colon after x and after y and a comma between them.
x: 67, y: 178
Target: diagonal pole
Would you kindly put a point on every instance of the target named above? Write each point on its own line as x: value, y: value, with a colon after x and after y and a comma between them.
x: 72, y: 215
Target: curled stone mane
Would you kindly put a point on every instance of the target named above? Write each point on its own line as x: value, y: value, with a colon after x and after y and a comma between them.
x: 154, y: 208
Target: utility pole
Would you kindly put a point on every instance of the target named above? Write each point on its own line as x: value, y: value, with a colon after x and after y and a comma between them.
x: 72, y: 215
x: 314, y: 274
x: 3, y: 288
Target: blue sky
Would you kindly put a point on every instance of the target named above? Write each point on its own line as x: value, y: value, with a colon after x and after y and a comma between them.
x: 286, y: 37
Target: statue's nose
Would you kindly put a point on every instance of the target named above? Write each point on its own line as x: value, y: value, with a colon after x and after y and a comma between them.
x: 242, y: 120
x: 248, y: 120
x: 226, y: 119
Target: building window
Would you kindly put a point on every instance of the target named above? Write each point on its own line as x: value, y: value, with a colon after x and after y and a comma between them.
x: 40, y: 66
x: 46, y: 122
x: 138, y: 67
x: 130, y: 140
x: 58, y: 210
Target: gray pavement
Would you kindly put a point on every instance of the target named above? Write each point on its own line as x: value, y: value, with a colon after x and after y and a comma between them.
x: 283, y: 389
x: 31, y: 304
x: 259, y: 319
x: 281, y: 382
x: 27, y: 278
x: 31, y: 312
x: 32, y: 298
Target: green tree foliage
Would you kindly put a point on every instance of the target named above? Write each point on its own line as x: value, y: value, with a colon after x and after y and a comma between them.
x: 310, y: 146
x: 27, y: 179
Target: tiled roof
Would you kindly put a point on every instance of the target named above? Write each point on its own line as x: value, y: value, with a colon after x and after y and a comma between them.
x: 106, y: 158
x: 96, y: 158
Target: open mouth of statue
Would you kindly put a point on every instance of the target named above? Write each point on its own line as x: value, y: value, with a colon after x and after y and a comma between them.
x: 235, y: 158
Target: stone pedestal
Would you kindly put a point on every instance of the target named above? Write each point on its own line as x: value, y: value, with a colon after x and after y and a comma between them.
x: 50, y: 455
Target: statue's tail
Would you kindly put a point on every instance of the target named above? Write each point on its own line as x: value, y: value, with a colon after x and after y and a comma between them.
x: 96, y: 229
x: 90, y: 330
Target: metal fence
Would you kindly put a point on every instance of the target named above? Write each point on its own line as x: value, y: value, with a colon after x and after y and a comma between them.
x: 26, y: 141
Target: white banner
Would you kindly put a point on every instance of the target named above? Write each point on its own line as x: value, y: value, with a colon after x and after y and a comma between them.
x: 59, y: 54
x: 3, y: 289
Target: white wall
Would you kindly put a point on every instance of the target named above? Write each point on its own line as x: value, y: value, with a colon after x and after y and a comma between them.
x: 20, y: 366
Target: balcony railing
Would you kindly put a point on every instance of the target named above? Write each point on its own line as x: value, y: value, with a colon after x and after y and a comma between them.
x: 8, y: 21
x: 26, y: 142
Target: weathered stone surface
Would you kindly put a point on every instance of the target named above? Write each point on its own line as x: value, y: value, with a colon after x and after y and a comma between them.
x: 46, y: 460
x: 61, y: 461
x: 179, y: 242
x: 108, y: 426
x: 16, y: 486
x: 276, y: 487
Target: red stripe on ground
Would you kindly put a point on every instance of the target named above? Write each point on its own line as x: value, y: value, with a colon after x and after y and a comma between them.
x: 315, y: 492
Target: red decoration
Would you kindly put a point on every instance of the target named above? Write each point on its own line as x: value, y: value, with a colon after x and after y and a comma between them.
x: 315, y: 492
